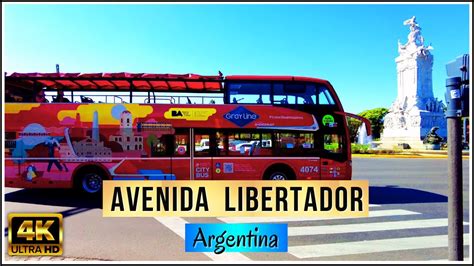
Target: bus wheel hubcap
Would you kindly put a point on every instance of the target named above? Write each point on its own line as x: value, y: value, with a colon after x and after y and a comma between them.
x: 278, y: 177
x: 92, y: 183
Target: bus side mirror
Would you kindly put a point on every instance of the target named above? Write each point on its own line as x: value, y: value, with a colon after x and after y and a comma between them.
x: 365, y: 121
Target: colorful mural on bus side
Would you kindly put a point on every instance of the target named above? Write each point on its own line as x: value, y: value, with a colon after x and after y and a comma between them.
x: 46, y: 141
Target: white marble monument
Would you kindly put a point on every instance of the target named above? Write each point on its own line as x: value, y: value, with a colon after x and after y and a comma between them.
x: 415, y: 110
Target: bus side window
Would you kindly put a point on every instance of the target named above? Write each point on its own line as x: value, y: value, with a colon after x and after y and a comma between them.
x: 244, y: 144
x: 201, y: 145
x: 310, y: 95
x: 279, y: 95
x: 295, y: 144
x: 286, y: 143
x: 306, y: 142
x: 252, y: 93
x: 333, y: 143
x: 221, y: 144
x: 181, y: 145
x: 161, y: 147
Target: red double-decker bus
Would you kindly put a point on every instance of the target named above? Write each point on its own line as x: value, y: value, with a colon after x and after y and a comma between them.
x: 123, y: 126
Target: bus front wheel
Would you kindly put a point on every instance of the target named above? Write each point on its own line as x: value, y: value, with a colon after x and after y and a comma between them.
x: 91, y: 183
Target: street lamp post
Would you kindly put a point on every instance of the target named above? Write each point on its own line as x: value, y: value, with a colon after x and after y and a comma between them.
x: 457, y: 99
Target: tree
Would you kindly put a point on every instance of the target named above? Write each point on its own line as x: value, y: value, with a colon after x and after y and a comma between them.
x: 375, y: 117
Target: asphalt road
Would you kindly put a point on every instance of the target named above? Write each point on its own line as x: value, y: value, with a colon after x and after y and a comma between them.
x: 407, y: 221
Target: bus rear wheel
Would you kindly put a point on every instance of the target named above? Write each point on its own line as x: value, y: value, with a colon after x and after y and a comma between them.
x: 91, y: 183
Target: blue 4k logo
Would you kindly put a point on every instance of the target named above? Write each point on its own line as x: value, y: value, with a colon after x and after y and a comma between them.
x: 241, y: 116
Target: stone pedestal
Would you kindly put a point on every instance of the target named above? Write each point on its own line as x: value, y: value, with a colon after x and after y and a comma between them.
x: 411, y: 128
x: 415, y: 110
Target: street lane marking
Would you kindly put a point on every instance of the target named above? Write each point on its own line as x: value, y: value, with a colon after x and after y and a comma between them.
x: 378, y: 213
x: 366, y: 227
x: 370, y: 246
x: 177, y: 225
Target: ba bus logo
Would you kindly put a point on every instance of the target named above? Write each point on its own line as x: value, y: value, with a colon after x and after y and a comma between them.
x: 175, y: 113
x: 190, y: 114
x: 35, y: 234
x: 241, y: 116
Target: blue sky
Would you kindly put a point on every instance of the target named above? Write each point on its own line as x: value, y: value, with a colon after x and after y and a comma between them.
x: 352, y: 46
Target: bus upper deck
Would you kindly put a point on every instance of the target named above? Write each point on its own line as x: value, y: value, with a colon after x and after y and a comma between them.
x: 172, y: 89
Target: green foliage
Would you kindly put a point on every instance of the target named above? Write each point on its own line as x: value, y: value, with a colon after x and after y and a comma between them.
x: 360, y: 148
x: 365, y: 149
x: 331, y: 146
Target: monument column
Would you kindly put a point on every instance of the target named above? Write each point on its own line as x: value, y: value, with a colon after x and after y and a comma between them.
x: 415, y: 111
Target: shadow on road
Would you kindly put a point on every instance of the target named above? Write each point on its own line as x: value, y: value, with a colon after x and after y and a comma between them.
x: 394, y: 195
x: 55, y: 197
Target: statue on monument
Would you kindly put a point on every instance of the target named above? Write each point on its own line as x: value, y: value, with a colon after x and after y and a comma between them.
x: 415, y: 32
x: 415, y: 110
x: 415, y: 41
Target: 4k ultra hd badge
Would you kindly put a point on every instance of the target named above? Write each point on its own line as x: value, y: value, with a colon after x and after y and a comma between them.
x: 35, y: 234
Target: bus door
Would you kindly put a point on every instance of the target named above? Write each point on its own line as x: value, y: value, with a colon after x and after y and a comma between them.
x: 334, y: 164
x: 201, y: 155
x: 181, y: 159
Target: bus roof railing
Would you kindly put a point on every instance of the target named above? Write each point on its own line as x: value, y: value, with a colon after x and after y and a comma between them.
x: 115, y: 81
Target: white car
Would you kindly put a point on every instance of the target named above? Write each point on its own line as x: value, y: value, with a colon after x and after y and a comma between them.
x: 203, y: 145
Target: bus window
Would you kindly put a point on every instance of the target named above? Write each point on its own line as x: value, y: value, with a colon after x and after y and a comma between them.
x: 243, y: 144
x: 333, y: 143
x: 286, y: 142
x: 306, y: 141
x: 201, y: 145
x: 325, y: 96
x: 13, y: 96
x: 235, y: 144
x: 221, y: 148
x: 253, y: 93
x: 181, y: 145
x: 299, y: 144
x: 279, y: 95
x: 310, y: 95
x: 290, y: 93
x: 265, y: 147
x: 160, y: 147
x: 266, y: 141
